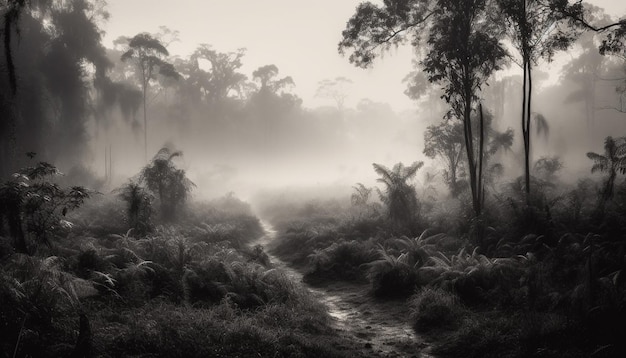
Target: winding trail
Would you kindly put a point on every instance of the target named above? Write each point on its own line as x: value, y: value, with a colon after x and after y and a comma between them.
x: 381, y: 327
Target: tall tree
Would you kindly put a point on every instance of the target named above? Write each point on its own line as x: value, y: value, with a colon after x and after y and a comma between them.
x: 149, y: 55
x: 222, y: 76
x: 59, y: 52
x: 537, y: 29
x: 462, y: 52
x: 585, y: 70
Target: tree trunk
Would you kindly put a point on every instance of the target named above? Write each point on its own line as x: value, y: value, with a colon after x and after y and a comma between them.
x: 145, y: 126
x: 528, y: 121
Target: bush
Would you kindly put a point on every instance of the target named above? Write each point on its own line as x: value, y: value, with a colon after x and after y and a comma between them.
x: 343, y: 261
x: 434, y: 309
x: 392, y: 276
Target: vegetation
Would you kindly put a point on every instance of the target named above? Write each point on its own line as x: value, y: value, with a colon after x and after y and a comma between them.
x: 493, y: 255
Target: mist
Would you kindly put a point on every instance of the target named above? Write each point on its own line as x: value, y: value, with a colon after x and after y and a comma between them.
x: 352, y: 178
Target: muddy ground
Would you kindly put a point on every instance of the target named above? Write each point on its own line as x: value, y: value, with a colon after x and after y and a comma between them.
x: 381, y: 328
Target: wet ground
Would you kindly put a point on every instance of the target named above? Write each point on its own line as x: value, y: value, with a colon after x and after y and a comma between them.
x: 381, y: 327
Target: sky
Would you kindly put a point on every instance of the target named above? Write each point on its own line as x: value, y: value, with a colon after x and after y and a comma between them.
x: 299, y: 37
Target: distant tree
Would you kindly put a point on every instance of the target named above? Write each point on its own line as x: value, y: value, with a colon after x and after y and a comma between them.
x: 271, y: 102
x: 361, y: 195
x: 445, y: 141
x: 546, y: 168
x: 167, y: 182
x: 267, y: 78
x: 585, y: 70
x: 149, y: 56
x: 222, y: 76
x: 334, y: 89
x: 398, y: 195
x: 612, y: 162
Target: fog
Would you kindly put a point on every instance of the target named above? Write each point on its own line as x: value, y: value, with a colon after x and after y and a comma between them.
x: 264, y: 101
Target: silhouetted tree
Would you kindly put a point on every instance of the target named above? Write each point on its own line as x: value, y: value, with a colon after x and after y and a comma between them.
x: 59, y: 52
x: 445, y: 141
x: 222, y: 77
x: 149, y: 56
x: 334, y: 89
x: 462, y: 52
x: 537, y: 29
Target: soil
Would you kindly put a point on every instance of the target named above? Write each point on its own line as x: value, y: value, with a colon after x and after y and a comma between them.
x: 381, y: 328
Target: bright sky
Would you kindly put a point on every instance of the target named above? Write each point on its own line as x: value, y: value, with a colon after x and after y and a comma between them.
x: 300, y: 37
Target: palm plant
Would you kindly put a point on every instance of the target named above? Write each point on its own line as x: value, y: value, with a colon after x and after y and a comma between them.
x: 170, y: 184
x: 399, y: 196
x: 613, y: 161
x: 138, y: 205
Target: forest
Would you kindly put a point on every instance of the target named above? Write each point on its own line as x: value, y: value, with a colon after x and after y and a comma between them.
x: 155, y: 204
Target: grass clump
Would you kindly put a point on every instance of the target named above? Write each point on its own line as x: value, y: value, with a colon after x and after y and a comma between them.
x: 435, y: 309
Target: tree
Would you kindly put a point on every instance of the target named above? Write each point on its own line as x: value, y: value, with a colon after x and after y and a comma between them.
x: 612, y: 162
x: 399, y: 196
x: 11, y: 17
x: 334, y: 89
x: 148, y: 54
x: 58, y: 55
x: 537, y: 29
x: 222, y: 77
x: 446, y: 141
x: 266, y: 76
x: 585, y: 70
x: 462, y: 52
x: 167, y: 182
x: 546, y: 168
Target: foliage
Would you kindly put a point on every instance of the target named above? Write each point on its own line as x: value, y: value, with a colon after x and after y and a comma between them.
x: 148, y: 54
x: 167, y: 182
x: 547, y: 168
x: 33, y: 206
x: 44, y: 101
x: 138, y: 206
x: 612, y: 162
x: 398, y: 195
x: 342, y: 260
x: 537, y: 30
x: 435, y: 308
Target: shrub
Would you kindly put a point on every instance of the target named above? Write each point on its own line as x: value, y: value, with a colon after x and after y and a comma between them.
x: 434, y: 309
x: 343, y: 260
x: 168, y: 183
x: 138, y: 206
x: 392, y: 275
x: 33, y: 206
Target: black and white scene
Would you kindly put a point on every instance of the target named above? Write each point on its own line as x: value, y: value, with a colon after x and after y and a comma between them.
x: 330, y: 178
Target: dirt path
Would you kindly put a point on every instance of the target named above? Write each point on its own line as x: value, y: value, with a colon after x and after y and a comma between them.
x: 381, y: 327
